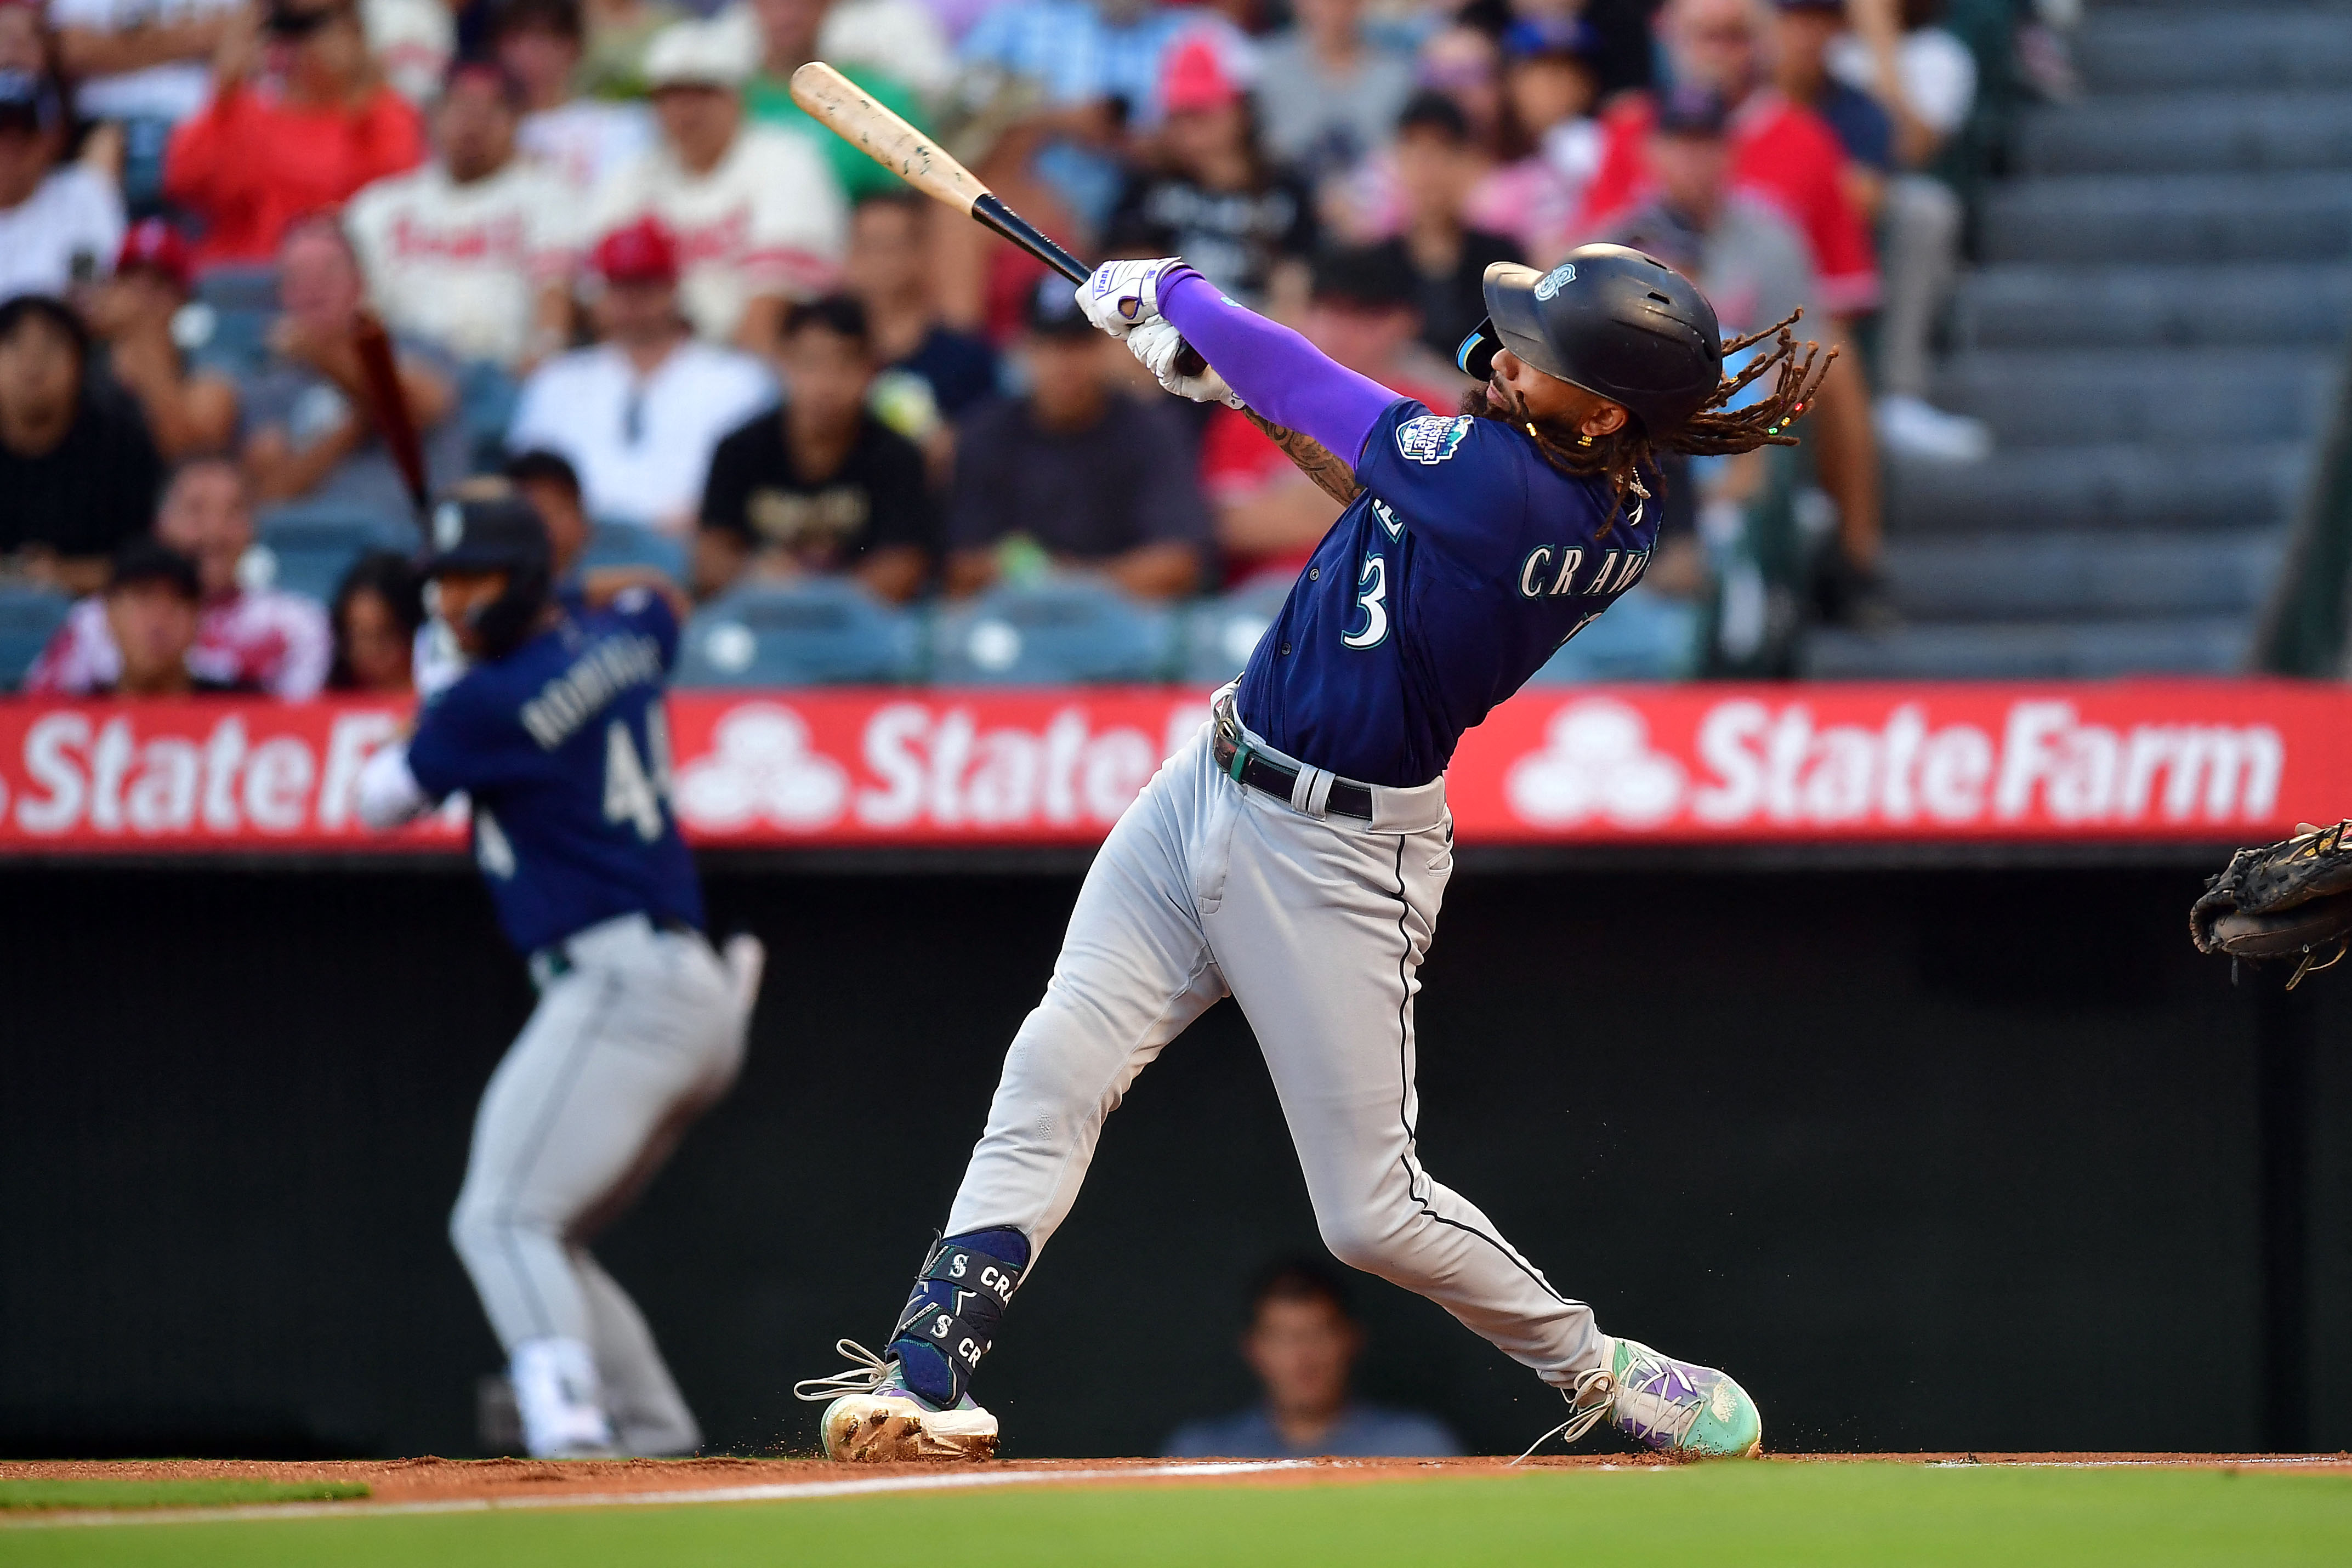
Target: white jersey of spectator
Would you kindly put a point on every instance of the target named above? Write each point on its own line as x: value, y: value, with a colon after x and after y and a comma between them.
x: 279, y: 642
x: 902, y: 36
x: 1332, y: 121
x: 172, y: 92
x: 769, y: 218
x: 412, y: 41
x: 641, y: 447
x: 1938, y: 74
x: 588, y: 140
x: 459, y: 265
x: 74, y: 212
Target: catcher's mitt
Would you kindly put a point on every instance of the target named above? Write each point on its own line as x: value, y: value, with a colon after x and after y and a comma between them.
x: 2290, y: 900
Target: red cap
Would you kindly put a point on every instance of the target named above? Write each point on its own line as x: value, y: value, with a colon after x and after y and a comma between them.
x: 641, y: 252
x: 1195, y: 78
x: 152, y: 242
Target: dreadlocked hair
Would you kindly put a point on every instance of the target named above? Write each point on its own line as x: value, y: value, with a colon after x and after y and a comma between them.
x: 1622, y: 456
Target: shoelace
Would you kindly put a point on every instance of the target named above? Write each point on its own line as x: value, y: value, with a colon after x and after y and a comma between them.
x: 1597, y: 1385
x: 1651, y: 1377
x: 870, y: 1373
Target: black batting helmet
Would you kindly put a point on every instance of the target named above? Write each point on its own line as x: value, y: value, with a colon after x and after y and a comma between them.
x: 1612, y: 320
x: 500, y: 534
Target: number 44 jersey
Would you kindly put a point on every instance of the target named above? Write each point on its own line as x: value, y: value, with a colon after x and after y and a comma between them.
x: 563, y: 749
x: 1466, y: 562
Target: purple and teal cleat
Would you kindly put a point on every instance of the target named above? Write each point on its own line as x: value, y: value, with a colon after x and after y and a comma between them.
x: 1664, y: 1405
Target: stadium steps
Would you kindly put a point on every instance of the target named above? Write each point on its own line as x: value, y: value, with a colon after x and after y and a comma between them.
x: 2155, y: 332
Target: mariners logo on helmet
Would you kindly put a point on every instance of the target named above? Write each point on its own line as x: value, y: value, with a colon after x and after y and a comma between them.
x: 1431, y: 438
x: 1553, y: 281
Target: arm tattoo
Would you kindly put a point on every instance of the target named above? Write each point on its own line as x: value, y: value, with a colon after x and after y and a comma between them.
x: 1332, y: 477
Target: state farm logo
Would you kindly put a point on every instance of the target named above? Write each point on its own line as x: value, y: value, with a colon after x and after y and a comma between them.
x: 1596, y: 761
x: 762, y: 768
x: 1751, y: 764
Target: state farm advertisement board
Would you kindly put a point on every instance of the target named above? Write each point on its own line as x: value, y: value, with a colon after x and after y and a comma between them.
x: 2191, y: 761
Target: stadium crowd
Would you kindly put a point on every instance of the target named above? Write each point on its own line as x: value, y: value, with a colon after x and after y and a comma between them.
x: 626, y: 276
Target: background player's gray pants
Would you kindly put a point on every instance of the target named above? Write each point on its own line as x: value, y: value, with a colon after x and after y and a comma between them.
x: 1318, y: 928
x: 643, y: 1034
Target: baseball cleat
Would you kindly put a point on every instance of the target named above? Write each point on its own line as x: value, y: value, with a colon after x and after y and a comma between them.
x: 1668, y: 1405
x: 875, y: 1418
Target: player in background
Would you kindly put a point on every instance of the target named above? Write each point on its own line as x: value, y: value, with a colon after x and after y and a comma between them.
x: 1295, y: 851
x: 556, y: 734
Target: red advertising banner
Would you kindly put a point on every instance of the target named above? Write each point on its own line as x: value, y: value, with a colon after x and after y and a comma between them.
x: 2156, y: 760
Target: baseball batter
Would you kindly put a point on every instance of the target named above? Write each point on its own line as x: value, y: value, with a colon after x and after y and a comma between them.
x: 556, y: 734
x: 1294, y: 854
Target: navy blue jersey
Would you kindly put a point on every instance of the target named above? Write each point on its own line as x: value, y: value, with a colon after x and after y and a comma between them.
x: 1464, y: 565
x: 564, y: 747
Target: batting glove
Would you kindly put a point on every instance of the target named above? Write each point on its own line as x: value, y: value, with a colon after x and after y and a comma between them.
x: 1124, y: 295
x: 1157, y: 343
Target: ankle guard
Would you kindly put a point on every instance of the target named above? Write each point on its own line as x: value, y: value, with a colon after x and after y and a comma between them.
x: 951, y: 1315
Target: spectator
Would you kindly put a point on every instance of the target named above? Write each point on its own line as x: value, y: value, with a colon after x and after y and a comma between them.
x: 1801, y: 32
x: 1925, y: 78
x: 889, y: 270
x: 1436, y: 164
x: 819, y: 485
x: 1302, y: 1343
x: 788, y: 31
x: 1235, y: 221
x: 584, y: 140
x: 1076, y: 470
x: 1552, y: 79
x: 59, y: 225
x: 379, y: 608
x: 551, y: 487
x: 141, y: 66
x: 150, y: 609
x: 1326, y: 96
x: 25, y: 40
x: 620, y: 34
x: 758, y: 217
x: 134, y: 313
x: 473, y: 252
x: 904, y: 38
x: 1270, y: 516
x: 639, y: 415
x: 1787, y: 156
x: 303, y: 429
x: 247, y: 639
x: 259, y: 156
x: 78, y: 474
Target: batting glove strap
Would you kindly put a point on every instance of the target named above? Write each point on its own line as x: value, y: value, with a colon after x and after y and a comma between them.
x: 1124, y: 295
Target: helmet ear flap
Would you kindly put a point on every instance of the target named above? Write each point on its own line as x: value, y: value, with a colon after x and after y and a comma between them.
x: 1476, y: 357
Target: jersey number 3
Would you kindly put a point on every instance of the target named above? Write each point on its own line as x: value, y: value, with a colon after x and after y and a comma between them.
x: 632, y: 794
x: 1371, y: 597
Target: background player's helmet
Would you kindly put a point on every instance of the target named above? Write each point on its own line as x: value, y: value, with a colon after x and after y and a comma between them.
x: 1614, y: 321
x: 496, y: 534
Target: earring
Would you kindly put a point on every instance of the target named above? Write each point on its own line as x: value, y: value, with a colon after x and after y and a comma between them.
x: 1584, y: 440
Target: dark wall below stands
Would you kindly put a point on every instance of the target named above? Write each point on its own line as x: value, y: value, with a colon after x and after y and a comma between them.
x: 1943, y: 1160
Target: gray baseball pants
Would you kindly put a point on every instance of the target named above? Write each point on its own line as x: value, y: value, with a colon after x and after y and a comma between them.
x: 1317, y: 926
x: 641, y: 1034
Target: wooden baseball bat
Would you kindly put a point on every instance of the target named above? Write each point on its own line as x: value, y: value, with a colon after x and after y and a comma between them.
x: 388, y: 408
x: 832, y: 99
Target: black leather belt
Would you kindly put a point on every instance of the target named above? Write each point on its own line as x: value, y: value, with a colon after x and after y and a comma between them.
x: 1244, y: 764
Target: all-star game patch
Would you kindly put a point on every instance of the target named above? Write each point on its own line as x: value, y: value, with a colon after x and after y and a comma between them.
x: 1432, y: 438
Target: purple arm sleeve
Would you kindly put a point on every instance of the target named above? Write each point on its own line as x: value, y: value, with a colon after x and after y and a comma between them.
x: 1275, y: 371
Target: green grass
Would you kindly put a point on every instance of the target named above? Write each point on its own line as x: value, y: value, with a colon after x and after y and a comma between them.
x: 21, y: 1494
x: 1759, y: 1516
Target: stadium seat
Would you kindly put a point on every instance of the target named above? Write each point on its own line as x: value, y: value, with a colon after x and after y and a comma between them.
x: 227, y: 325
x: 1644, y: 636
x: 30, y: 616
x: 822, y: 631
x: 307, y: 550
x: 633, y: 544
x: 1221, y: 634
x: 1049, y: 635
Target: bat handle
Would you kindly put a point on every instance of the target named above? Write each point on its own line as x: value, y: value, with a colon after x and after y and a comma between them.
x: 993, y: 212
